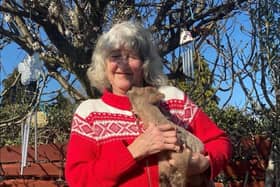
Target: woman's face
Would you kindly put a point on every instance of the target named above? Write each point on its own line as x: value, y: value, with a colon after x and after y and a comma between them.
x: 124, y: 70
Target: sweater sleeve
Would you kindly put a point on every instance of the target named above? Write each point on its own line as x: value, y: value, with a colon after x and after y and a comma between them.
x: 216, y: 142
x: 184, y: 111
x: 86, y: 168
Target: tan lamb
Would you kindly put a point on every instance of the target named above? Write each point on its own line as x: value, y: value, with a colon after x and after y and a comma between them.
x: 144, y: 102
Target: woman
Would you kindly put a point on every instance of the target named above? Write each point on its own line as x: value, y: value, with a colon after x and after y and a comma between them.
x: 108, y: 145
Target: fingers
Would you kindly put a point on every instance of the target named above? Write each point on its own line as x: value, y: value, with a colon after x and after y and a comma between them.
x: 164, y: 137
x: 166, y: 127
x: 198, y: 163
x: 156, y: 139
x: 171, y: 147
x: 169, y: 139
x: 169, y: 134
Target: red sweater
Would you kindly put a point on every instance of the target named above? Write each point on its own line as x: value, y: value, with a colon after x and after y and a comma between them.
x: 102, y: 129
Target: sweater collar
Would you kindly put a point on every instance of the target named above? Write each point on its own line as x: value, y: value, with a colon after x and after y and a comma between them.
x: 121, y: 102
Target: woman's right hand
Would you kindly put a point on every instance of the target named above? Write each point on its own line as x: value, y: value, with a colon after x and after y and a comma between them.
x: 153, y: 140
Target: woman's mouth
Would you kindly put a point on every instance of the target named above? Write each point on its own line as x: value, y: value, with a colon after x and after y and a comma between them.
x: 123, y: 73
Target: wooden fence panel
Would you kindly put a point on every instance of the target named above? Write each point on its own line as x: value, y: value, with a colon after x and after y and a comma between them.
x: 48, y: 169
x: 45, y: 171
x: 46, y: 152
x: 32, y: 183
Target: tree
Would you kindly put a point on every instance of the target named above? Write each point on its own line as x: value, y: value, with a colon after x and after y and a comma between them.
x: 18, y: 93
x: 64, y: 32
x: 263, y: 71
x: 254, y: 67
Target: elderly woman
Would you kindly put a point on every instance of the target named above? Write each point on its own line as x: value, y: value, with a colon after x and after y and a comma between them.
x: 108, y: 145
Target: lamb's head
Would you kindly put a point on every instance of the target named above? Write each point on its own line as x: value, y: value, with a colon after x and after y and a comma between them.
x: 144, y: 95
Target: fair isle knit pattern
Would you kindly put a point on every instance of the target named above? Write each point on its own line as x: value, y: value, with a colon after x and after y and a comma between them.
x: 181, y: 108
x: 104, y: 129
x: 106, y: 124
x: 109, y: 123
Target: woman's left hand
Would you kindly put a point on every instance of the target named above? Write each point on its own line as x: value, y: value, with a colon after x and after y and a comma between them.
x: 198, y: 164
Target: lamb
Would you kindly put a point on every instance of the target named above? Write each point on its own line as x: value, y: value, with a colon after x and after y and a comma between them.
x: 144, y: 100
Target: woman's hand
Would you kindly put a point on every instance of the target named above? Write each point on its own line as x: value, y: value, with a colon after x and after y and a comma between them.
x: 198, y: 164
x: 154, y: 140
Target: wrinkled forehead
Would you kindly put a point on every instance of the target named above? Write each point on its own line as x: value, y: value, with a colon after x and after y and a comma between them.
x: 124, y: 42
x: 128, y: 46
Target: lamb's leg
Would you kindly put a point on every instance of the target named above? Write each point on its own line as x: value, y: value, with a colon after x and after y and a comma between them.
x: 187, y: 139
x: 174, y: 174
x: 164, y: 180
x: 181, y: 163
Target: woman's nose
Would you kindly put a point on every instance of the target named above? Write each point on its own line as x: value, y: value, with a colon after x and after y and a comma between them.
x: 124, y: 59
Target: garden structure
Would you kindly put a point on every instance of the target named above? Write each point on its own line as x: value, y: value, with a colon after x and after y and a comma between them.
x: 46, y: 168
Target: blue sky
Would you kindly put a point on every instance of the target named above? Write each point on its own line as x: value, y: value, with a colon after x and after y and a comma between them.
x: 12, y: 55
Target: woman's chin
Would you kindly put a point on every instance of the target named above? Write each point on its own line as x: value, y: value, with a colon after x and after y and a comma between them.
x: 124, y: 86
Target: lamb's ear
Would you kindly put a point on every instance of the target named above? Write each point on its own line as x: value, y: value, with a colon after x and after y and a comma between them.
x: 160, y: 96
x: 157, y: 94
x: 137, y: 90
x: 131, y: 94
x: 155, y: 97
x: 150, y: 89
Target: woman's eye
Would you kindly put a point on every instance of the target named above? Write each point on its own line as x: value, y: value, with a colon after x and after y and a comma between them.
x: 132, y: 56
x: 115, y: 56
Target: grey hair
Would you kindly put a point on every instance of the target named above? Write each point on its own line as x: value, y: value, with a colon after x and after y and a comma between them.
x: 132, y: 36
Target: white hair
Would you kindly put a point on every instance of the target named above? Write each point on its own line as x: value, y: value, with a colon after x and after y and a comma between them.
x: 132, y: 36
